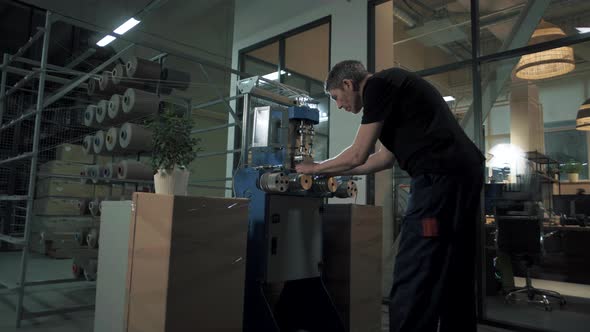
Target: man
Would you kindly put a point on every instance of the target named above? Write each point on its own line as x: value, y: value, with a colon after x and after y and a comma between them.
x: 434, y: 281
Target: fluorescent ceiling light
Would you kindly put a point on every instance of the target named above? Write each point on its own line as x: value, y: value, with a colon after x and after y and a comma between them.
x: 448, y: 98
x: 126, y: 26
x: 273, y: 76
x: 105, y: 41
x: 583, y: 30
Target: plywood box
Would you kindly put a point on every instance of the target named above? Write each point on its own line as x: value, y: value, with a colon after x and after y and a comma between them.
x: 51, y: 206
x: 352, y: 247
x: 62, y: 224
x: 58, y: 167
x: 73, y: 153
x: 186, y: 263
x: 57, y: 187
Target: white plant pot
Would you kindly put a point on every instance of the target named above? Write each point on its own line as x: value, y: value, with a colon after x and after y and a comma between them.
x: 573, y: 177
x: 172, y: 182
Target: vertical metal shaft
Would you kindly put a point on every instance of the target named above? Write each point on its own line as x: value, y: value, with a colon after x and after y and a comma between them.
x: 3, y: 86
x: 244, y: 148
x: 33, y: 174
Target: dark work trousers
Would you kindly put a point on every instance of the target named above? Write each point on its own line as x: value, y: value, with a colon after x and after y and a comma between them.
x: 434, y: 273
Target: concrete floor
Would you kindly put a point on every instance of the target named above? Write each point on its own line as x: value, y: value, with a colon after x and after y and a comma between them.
x: 572, y: 318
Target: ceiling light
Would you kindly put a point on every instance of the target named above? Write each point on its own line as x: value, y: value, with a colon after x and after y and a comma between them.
x: 549, y: 63
x: 105, y: 41
x: 274, y: 76
x: 583, y: 30
x: 448, y: 98
x: 126, y: 26
x: 583, y: 117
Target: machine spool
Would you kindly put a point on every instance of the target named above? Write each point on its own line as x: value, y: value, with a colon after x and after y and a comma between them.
x: 135, y: 138
x: 138, y: 103
x: 101, y: 112
x: 131, y: 169
x: 112, y: 140
x: 324, y: 185
x: 276, y: 182
x: 87, y: 144
x: 346, y: 189
x: 106, y: 84
x: 99, y: 145
x: 300, y: 182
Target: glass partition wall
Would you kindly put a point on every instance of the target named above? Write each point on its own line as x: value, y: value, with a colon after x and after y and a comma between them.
x: 516, y: 76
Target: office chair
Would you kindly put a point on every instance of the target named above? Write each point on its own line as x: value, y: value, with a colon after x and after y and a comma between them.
x: 521, y: 236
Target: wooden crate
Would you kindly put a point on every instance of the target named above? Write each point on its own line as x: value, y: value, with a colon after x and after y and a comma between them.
x: 59, y: 167
x: 57, y: 187
x: 73, y: 153
x: 59, y: 206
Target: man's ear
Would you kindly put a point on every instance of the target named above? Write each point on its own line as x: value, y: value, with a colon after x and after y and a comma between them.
x: 347, y: 84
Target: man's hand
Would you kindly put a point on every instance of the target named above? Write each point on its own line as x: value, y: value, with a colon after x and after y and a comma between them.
x: 306, y: 167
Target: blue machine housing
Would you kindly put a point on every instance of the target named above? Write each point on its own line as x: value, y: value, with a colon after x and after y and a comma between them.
x: 304, y: 113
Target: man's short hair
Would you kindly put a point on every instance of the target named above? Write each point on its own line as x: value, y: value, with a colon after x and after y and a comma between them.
x: 347, y: 69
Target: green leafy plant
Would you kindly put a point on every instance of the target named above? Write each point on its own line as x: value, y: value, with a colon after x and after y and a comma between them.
x: 172, y: 141
x: 572, y: 166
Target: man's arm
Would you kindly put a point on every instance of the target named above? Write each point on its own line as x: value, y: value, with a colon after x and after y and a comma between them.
x: 352, y: 157
x: 378, y: 161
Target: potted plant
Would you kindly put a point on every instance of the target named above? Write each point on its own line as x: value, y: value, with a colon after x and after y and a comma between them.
x: 553, y: 171
x: 173, y: 150
x: 573, y: 169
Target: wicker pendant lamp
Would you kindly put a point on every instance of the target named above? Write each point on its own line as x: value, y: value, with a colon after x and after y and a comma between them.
x: 549, y: 63
x: 583, y: 117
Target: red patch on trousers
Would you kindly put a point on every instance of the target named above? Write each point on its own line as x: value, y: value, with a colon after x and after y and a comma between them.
x: 429, y: 227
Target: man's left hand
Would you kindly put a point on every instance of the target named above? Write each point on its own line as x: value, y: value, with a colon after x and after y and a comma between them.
x: 307, y: 167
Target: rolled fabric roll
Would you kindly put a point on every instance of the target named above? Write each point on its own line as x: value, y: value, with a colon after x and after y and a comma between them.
x: 89, y: 116
x: 112, y: 140
x: 99, y: 145
x: 140, y: 68
x: 139, y: 103
x: 91, y: 86
x: 101, y: 113
x: 92, y: 238
x: 87, y: 144
x: 83, y: 206
x: 176, y: 79
x: 120, y: 78
x: 107, y: 171
x: 115, y: 110
x: 93, y: 206
x: 134, y: 170
x: 135, y: 138
x: 106, y: 84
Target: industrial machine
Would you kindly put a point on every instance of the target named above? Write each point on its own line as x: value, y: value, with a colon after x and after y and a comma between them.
x: 284, y: 287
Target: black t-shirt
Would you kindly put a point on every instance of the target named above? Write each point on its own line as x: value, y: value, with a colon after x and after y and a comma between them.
x: 418, y: 126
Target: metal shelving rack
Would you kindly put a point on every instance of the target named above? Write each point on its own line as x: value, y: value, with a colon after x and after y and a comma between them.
x: 261, y: 91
